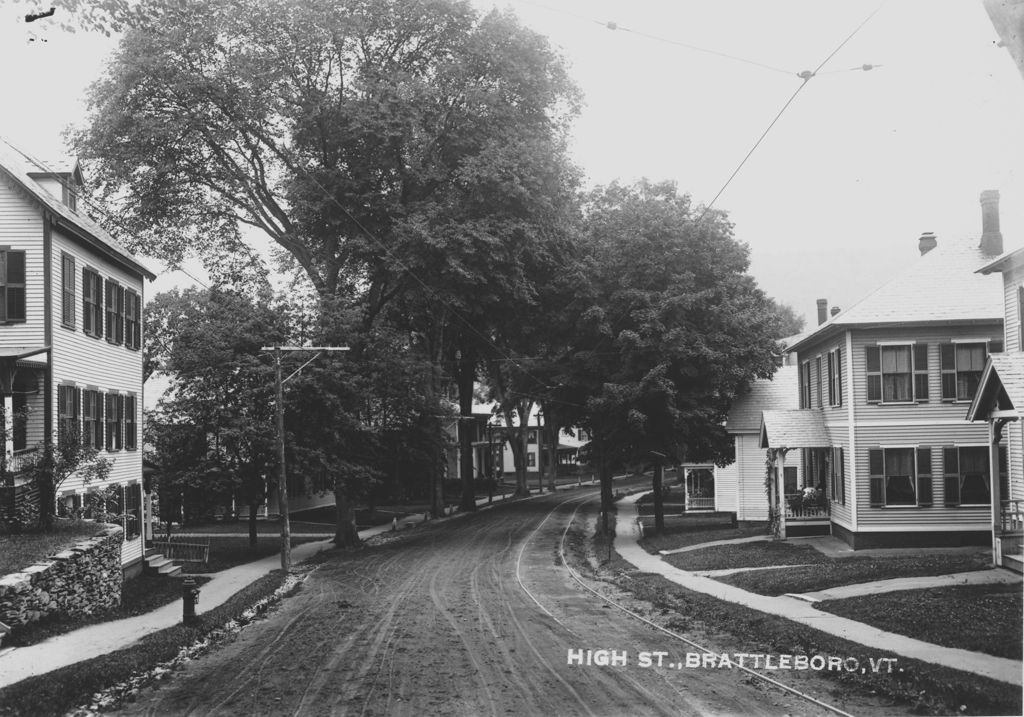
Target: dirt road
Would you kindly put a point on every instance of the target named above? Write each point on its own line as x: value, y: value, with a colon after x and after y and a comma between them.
x: 473, y: 616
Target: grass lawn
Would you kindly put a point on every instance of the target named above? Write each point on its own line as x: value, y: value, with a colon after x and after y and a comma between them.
x: 830, y: 573
x: 20, y: 550
x: 79, y: 682
x: 982, y: 618
x: 747, y: 555
x: 138, y: 596
x: 917, y: 688
x: 686, y: 535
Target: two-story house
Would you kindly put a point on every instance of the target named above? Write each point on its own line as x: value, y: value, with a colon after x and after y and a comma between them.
x: 70, y: 337
x: 883, y: 392
x: 1000, y: 401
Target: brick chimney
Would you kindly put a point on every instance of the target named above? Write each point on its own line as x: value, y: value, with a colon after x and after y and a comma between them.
x: 835, y: 310
x: 927, y: 242
x: 991, y: 238
x: 822, y: 311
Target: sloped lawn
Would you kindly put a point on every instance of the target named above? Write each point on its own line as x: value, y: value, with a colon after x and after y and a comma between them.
x: 681, y: 536
x: 829, y: 573
x: 20, y: 550
x: 982, y: 618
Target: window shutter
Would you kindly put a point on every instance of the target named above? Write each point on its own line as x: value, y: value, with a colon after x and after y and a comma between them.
x: 839, y: 378
x: 842, y: 475
x: 110, y: 302
x: 12, y: 291
x: 947, y: 365
x: 831, y: 378
x: 921, y: 373
x: 98, y: 425
x: 951, y: 476
x: 876, y: 467
x: 76, y: 424
x: 873, y: 360
x: 86, y: 302
x: 67, y: 282
x: 1004, y: 476
x: 924, y: 476
x: 109, y: 411
x: 820, y: 382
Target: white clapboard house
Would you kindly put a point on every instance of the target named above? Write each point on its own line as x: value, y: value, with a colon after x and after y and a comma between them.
x: 70, y: 339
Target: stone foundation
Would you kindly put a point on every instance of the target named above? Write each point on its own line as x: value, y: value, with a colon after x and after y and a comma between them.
x: 81, y: 580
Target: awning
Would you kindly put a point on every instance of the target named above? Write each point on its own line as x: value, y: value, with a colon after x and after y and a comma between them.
x: 800, y: 428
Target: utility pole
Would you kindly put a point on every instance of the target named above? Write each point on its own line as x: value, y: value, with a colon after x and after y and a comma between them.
x: 282, y: 482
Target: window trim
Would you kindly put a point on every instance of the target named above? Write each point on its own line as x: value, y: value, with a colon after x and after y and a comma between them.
x: 947, y: 352
x: 835, y: 377
x: 879, y: 484
x: 879, y: 374
x: 952, y: 481
x: 129, y: 426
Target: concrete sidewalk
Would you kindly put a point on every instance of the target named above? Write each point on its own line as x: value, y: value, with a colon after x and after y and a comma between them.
x: 803, y: 612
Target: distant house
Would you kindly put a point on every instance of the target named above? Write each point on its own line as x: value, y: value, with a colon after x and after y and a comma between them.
x: 1000, y: 401
x: 70, y: 339
x: 883, y: 388
x: 739, y: 486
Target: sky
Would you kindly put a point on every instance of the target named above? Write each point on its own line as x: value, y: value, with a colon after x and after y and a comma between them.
x: 833, y: 200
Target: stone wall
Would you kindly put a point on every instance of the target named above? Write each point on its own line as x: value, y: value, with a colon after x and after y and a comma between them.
x: 81, y: 580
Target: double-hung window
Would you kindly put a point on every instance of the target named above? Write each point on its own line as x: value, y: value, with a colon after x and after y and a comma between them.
x: 114, y: 410
x: 68, y: 409
x: 92, y: 418
x: 967, y: 474
x: 897, y: 373
x: 115, y: 312
x: 92, y: 303
x: 835, y: 378
x: 837, y: 475
x: 900, y: 476
x: 132, y: 320
x: 130, y: 431
x: 12, y: 286
x: 961, y: 365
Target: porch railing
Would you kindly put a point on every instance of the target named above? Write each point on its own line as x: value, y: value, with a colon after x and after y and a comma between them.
x: 1011, y: 516
x: 184, y: 549
x: 694, y: 502
x: 802, y: 511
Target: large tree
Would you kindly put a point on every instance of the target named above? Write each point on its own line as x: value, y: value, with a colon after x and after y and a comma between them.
x: 673, y: 331
x: 388, y: 148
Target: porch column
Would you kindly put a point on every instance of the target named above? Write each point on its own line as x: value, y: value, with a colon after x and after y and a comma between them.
x: 780, y: 492
x: 995, y: 430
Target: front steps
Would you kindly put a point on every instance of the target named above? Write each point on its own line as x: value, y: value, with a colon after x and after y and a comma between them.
x: 157, y: 564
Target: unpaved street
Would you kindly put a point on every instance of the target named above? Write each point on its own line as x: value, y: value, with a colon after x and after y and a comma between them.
x: 439, y: 624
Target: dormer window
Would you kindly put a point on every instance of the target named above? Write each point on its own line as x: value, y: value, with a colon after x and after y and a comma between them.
x: 69, y: 195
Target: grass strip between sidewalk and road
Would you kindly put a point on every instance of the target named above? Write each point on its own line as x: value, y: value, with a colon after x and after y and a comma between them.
x: 981, y: 618
x: 65, y: 689
x: 915, y: 687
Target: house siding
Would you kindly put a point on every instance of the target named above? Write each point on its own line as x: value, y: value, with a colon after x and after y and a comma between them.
x: 1013, y: 282
x: 858, y: 426
x: 726, y: 480
x: 21, y: 228
x: 90, y: 362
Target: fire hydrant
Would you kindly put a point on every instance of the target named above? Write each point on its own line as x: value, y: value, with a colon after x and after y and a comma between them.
x: 189, y: 598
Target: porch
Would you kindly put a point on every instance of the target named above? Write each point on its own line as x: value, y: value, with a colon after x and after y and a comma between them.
x: 1010, y: 540
x: 699, y: 487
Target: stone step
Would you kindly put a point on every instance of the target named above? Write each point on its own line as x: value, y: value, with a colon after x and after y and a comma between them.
x: 169, y: 570
x: 1014, y: 562
x: 161, y: 565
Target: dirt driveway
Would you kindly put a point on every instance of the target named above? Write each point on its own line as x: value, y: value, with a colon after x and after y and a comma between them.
x: 473, y: 616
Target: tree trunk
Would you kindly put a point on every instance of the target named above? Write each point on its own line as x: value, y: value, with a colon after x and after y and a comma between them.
x: 465, y: 378
x: 607, y: 499
x: 345, y: 533
x: 659, y: 502
x: 552, y: 447
x: 254, y: 505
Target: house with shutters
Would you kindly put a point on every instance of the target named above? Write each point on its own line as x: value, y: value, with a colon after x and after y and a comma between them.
x: 999, y: 401
x: 70, y: 342
x: 881, y: 431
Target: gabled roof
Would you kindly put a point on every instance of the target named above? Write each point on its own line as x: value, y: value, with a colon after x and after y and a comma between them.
x: 797, y: 428
x: 940, y: 287
x: 22, y: 171
x: 1002, y: 383
x: 779, y: 392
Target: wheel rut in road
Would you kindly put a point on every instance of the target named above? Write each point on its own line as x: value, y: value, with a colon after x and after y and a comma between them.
x: 472, y: 616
